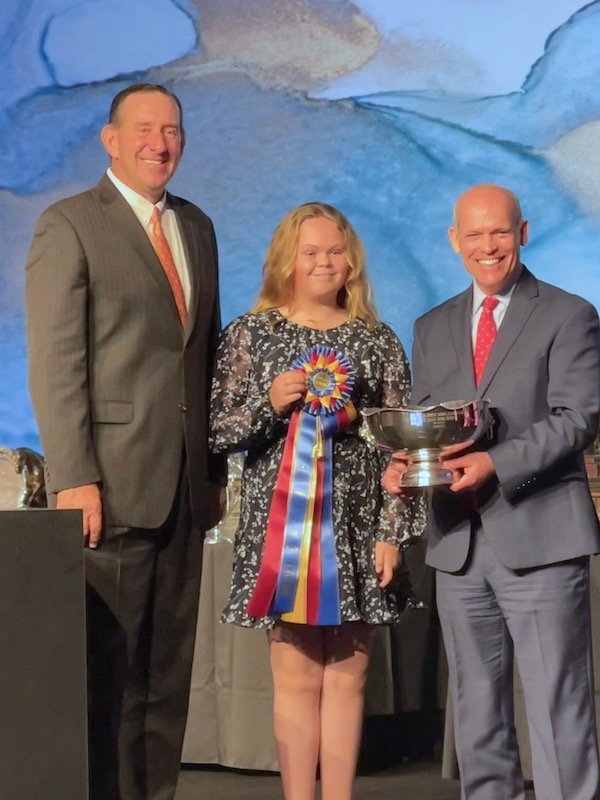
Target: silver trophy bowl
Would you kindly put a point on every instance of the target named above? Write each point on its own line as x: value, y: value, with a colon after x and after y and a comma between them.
x: 423, y: 431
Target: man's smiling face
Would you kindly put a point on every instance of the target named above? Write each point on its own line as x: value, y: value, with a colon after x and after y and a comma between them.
x: 488, y: 233
x: 145, y: 143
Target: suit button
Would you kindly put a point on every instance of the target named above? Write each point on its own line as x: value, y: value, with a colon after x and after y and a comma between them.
x: 182, y: 408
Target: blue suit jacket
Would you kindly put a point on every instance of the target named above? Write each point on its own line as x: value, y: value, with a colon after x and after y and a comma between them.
x: 543, y: 382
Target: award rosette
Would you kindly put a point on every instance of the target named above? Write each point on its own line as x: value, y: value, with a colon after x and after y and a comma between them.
x: 298, y: 576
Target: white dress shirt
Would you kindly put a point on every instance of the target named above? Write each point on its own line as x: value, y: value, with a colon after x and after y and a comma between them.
x: 498, y: 313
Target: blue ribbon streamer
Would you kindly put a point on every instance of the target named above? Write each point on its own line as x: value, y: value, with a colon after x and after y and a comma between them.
x: 329, y: 600
x: 299, y: 500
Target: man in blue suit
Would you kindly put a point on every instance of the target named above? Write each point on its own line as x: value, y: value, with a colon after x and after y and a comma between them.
x: 511, y: 539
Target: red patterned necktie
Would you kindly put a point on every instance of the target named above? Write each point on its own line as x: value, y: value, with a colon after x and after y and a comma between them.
x: 486, y: 333
x: 165, y: 256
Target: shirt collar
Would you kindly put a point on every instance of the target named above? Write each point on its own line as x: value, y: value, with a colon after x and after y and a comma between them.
x: 142, y: 207
x: 503, y: 296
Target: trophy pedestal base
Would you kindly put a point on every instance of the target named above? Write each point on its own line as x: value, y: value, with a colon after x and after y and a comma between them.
x: 422, y: 475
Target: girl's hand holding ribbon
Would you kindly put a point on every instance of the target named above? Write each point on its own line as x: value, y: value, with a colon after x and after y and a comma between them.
x: 287, y: 388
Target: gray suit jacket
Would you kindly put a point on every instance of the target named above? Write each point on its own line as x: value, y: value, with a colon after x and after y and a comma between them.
x: 543, y: 382
x: 118, y: 390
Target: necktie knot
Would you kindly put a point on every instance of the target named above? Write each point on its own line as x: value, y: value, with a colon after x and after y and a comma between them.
x: 490, y: 303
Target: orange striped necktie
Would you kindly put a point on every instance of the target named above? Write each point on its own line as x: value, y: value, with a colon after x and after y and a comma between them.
x: 165, y: 256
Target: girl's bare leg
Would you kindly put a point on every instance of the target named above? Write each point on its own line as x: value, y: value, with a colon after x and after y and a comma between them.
x: 297, y: 665
x: 342, y: 703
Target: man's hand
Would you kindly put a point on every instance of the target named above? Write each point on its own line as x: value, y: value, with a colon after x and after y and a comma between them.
x: 392, y: 477
x: 471, y: 471
x: 388, y: 560
x: 287, y: 388
x: 89, y: 500
x: 452, y: 449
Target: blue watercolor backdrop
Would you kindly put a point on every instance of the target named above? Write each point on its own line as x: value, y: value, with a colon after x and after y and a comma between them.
x: 268, y: 129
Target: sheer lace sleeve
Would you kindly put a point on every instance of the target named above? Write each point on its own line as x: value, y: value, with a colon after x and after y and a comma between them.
x: 395, y: 384
x: 241, y: 413
x: 403, y: 518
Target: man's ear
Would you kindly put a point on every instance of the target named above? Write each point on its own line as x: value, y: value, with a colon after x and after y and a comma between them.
x: 524, y: 232
x: 108, y: 135
x: 453, y: 236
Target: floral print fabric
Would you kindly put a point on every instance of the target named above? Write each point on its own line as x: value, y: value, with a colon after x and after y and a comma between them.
x: 254, y: 349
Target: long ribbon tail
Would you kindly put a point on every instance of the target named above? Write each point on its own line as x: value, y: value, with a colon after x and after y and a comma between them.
x: 329, y: 600
x: 291, y: 589
x: 264, y: 589
x: 317, y: 583
x: 298, y: 577
x: 314, y: 565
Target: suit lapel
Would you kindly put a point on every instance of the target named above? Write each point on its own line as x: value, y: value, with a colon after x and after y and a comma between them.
x: 125, y: 221
x: 460, y: 313
x: 189, y: 237
x: 522, y: 304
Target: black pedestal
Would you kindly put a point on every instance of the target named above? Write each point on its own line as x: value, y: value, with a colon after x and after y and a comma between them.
x: 43, y: 736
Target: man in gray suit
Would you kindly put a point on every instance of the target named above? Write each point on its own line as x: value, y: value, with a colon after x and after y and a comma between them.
x: 512, y: 537
x: 122, y: 321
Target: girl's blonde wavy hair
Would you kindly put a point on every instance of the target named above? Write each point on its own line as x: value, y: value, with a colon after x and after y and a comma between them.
x: 278, y: 270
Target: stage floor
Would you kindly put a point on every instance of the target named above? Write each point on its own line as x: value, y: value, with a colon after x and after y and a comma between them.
x: 417, y: 781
